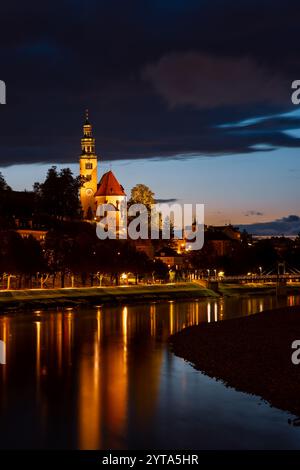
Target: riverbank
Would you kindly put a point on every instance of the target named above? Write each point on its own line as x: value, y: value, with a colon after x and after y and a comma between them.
x: 231, y: 290
x: 70, y: 297
x: 251, y: 354
x: 49, y: 298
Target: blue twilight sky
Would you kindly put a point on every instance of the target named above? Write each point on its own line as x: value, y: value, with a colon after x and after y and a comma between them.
x: 241, y: 189
x: 163, y: 80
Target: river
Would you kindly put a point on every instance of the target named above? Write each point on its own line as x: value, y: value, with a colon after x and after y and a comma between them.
x: 104, y: 378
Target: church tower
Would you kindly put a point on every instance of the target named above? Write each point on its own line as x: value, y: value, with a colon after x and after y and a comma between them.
x: 88, y: 169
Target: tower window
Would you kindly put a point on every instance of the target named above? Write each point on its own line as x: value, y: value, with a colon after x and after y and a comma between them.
x: 88, y: 166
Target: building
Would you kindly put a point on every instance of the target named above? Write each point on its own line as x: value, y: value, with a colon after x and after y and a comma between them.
x: 92, y: 194
x: 111, y: 192
x: 88, y: 170
x: 219, y: 242
x: 144, y: 246
x: 39, y: 235
x: 232, y: 232
x: 170, y: 257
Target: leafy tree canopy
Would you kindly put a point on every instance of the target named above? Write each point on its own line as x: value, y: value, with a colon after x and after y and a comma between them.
x: 142, y: 194
x: 58, y: 196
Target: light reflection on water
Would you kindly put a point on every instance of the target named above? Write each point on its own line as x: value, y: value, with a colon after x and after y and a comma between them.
x: 104, y: 378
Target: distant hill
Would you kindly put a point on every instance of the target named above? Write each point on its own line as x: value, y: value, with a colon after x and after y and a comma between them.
x: 288, y: 226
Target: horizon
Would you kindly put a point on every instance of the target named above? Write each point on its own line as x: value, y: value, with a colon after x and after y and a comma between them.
x: 270, y: 214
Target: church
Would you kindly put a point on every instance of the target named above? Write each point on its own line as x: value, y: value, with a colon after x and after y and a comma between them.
x: 92, y: 193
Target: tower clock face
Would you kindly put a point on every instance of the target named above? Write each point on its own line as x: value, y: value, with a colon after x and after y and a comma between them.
x: 89, y: 192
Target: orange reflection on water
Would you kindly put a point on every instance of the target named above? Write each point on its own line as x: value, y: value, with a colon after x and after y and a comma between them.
x: 89, y: 395
x: 216, y: 311
x: 105, y: 368
x: 153, y: 319
x: 38, y: 348
x: 171, y: 316
x: 291, y: 300
x: 59, y: 340
x: 68, y: 336
x: 124, y: 329
x: 4, y: 335
x: 208, y: 312
x: 102, y: 389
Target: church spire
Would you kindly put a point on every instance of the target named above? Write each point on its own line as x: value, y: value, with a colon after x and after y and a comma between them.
x: 87, y: 141
x: 87, y: 117
x: 87, y: 127
x: 88, y: 168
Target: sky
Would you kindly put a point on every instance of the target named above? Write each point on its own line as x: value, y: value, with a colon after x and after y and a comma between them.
x: 191, y: 97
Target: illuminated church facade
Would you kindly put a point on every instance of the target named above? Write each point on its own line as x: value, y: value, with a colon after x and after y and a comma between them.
x: 92, y: 193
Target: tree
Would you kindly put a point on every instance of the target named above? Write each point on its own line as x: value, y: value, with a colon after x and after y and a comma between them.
x: 11, y: 252
x: 31, y: 260
x: 3, y: 184
x: 69, y: 249
x: 142, y: 194
x: 20, y: 256
x: 5, y: 192
x: 265, y: 255
x: 59, y: 253
x: 58, y: 196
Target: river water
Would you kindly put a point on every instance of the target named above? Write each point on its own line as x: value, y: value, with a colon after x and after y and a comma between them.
x: 104, y: 378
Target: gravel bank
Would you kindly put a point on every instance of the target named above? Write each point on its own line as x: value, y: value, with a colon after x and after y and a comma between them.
x: 251, y: 354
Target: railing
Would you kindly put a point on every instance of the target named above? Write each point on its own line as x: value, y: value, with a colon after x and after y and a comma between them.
x: 255, y: 277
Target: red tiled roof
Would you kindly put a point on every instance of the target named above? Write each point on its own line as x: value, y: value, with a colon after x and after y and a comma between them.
x: 109, y: 186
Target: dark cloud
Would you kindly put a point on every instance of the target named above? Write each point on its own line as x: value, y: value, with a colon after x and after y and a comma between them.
x: 160, y: 78
x: 166, y: 201
x: 253, y: 213
x: 204, y: 81
x: 289, y: 226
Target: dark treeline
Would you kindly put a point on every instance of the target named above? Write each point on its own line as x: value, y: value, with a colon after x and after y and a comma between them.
x: 58, y: 195
x: 72, y: 250
x: 54, y: 199
x: 247, y: 257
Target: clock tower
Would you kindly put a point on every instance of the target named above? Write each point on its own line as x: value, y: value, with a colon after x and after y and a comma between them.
x: 88, y: 169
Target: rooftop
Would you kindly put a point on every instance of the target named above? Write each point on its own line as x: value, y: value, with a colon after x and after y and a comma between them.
x: 109, y: 186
